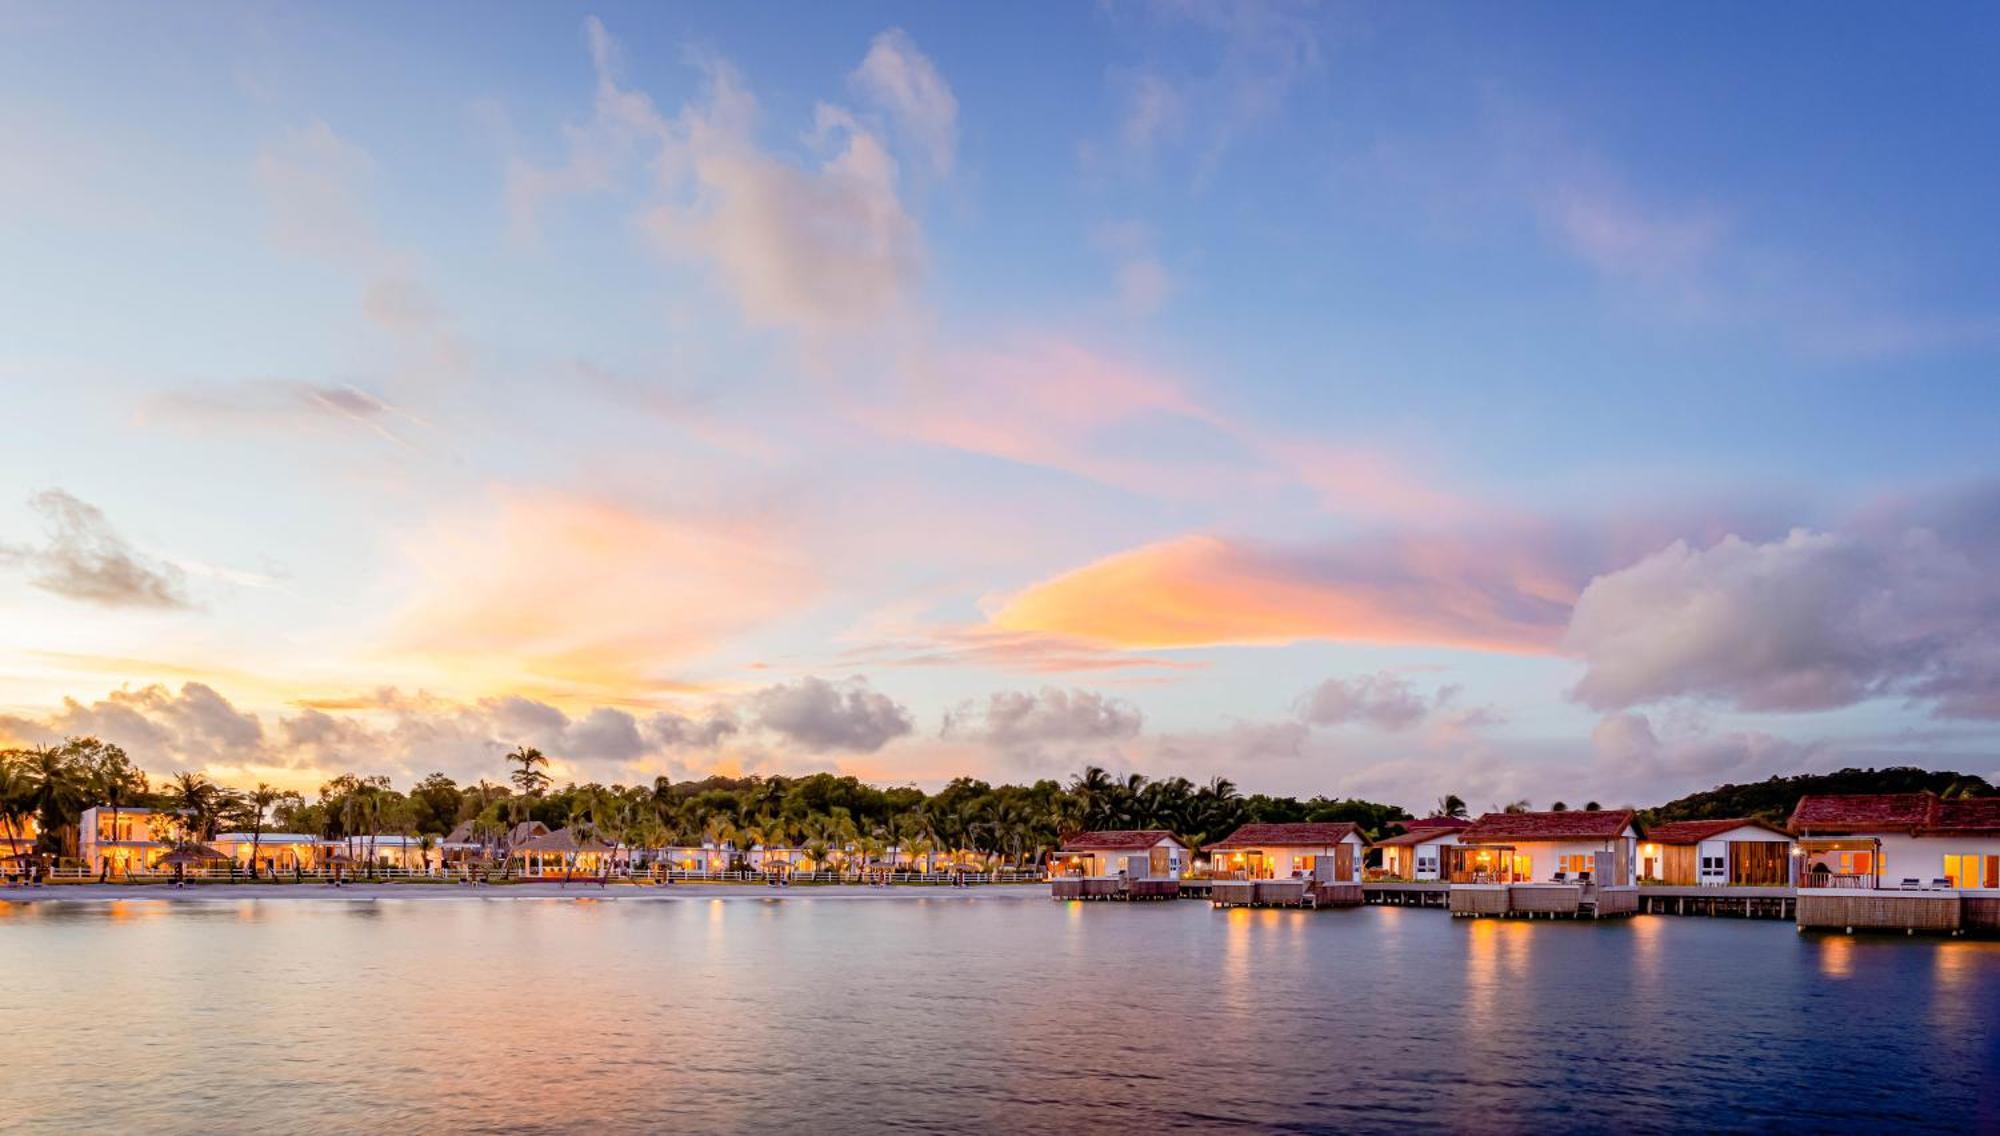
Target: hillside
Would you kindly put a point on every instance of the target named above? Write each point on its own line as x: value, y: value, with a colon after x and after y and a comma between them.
x: 1774, y: 798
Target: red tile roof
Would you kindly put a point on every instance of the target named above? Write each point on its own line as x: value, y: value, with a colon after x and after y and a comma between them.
x: 1967, y: 814
x: 1919, y: 814
x: 1116, y: 840
x: 1435, y: 822
x: 1575, y: 824
x: 1696, y: 831
x: 1862, y: 812
x: 1419, y: 836
x: 1313, y: 835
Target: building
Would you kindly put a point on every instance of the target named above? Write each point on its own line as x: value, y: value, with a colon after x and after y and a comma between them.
x: 124, y: 840
x: 1898, y: 840
x: 1740, y: 852
x: 1417, y: 853
x: 274, y: 852
x: 1138, y: 853
x: 1578, y: 864
x: 565, y: 853
x: 1329, y: 852
x: 703, y: 859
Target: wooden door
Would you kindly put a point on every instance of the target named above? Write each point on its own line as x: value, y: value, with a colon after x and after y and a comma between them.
x: 1343, y: 862
x: 1159, y: 862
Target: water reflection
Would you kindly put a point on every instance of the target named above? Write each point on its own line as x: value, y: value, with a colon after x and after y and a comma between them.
x: 1020, y: 1015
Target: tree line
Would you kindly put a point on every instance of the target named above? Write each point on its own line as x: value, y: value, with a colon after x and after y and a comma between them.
x: 968, y: 820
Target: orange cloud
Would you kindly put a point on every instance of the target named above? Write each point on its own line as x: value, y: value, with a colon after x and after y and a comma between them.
x: 577, y: 596
x: 1199, y: 591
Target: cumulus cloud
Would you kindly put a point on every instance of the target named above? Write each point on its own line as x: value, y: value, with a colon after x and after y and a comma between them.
x: 903, y: 81
x: 1632, y: 756
x: 678, y: 731
x: 84, y: 558
x: 1383, y: 700
x: 824, y: 716
x: 1903, y: 601
x: 1018, y: 719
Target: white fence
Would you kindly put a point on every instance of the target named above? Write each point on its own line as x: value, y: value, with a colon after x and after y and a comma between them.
x: 223, y: 873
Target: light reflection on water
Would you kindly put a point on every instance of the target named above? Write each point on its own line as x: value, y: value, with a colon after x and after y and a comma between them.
x: 1025, y: 1015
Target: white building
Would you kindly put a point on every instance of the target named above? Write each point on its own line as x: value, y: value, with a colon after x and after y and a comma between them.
x: 1418, y: 852
x: 1600, y: 845
x: 1138, y: 853
x: 1327, y: 852
x: 1905, y: 841
x: 1739, y: 852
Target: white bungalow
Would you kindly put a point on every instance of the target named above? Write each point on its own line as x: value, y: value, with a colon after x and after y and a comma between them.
x: 271, y: 851
x: 1418, y: 852
x: 1739, y: 852
x: 124, y: 840
x: 1329, y: 853
x: 1137, y: 853
x: 708, y: 858
x: 1904, y: 841
x: 1597, y: 845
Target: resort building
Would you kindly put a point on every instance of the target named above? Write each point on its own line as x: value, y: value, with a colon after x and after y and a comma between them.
x: 1417, y: 853
x: 563, y: 853
x: 1325, y: 851
x: 127, y: 840
x: 464, y: 845
x: 1572, y: 863
x: 1139, y: 853
x: 1740, y: 852
x: 18, y: 837
x: 273, y: 852
x: 1898, y: 840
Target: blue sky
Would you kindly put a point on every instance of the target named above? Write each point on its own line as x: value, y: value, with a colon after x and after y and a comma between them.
x: 1394, y: 400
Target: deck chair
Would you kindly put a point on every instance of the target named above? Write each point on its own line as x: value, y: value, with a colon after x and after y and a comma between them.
x: 1912, y: 884
x: 1583, y: 877
x: 1561, y: 877
x: 1941, y: 885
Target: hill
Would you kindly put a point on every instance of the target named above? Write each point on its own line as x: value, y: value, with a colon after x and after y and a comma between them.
x: 1774, y: 798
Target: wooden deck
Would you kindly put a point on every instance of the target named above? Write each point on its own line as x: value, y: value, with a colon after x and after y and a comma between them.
x: 1112, y: 888
x: 1850, y: 910
x: 1720, y: 902
x: 1542, y: 901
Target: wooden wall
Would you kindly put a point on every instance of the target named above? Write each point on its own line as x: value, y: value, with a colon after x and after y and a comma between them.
x: 1677, y: 864
x: 1759, y: 863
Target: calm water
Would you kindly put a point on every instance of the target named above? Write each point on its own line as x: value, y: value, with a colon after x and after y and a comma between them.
x: 833, y: 1015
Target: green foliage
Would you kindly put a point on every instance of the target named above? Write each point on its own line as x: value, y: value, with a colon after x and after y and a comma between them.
x: 1774, y: 798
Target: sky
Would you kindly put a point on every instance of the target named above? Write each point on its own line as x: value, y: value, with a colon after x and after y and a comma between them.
x: 1523, y: 401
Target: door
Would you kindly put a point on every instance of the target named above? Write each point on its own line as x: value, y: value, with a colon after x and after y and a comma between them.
x: 1343, y: 863
x: 1158, y: 863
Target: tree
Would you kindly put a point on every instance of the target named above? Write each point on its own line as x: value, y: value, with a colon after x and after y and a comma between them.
x: 1451, y: 805
x: 256, y: 805
x: 57, y: 793
x: 529, y: 778
x: 17, y: 795
x: 108, y: 774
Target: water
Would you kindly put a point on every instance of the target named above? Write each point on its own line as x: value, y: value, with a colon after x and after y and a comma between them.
x: 1023, y: 1015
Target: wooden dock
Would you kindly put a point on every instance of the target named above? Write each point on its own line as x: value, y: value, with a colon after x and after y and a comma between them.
x: 1542, y: 901
x: 1430, y: 893
x: 1113, y: 888
x: 1720, y: 902
x: 1856, y: 909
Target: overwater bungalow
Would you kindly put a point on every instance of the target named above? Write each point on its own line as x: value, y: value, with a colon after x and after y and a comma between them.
x: 1739, y: 852
x: 1898, y: 861
x: 1571, y: 863
x: 1417, y: 853
x: 1303, y: 864
x: 1119, y: 863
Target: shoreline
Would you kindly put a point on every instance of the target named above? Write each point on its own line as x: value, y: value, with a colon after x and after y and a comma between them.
x: 428, y: 893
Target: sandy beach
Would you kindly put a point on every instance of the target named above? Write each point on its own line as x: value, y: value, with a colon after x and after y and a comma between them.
x: 98, y: 893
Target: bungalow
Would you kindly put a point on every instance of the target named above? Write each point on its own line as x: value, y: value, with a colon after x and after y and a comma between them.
x: 1138, y: 853
x: 124, y: 840
x: 1573, y: 864
x: 1325, y: 851
x: 702, y: 859
x: 272, y: 852
x: 1417, y: 853
x: 1740, y: 852
x: 1898, y: 840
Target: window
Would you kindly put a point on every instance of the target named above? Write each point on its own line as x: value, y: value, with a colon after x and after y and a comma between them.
x: 1427, y: 862
x: 1715, y: 866
x: 1576, y: 865
x: 1971, y: 870
x: 1855, y: 863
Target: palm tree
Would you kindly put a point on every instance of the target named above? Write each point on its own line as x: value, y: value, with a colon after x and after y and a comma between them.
x: 529, y: 778
x: 1451, y: 805
x: 199, y: 802
x: 108, y: 774
x: 17, y: 794
x: 57, y: 793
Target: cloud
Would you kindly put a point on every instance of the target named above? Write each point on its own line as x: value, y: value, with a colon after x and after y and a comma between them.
x: 1633, y: 759
x: 588, y: 596
x: 1383, y: 700
x: 824, y: 716
x: 903, y: 81
x: 677, y: 731
x: 84, y: 558
x: 1903, y: 601
x: 1016, y: 719
x: 1259, y: 52
x: 1508, y: 593
x: 277, y: 402
x: 826, y: 248
x: 1143, y: 283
